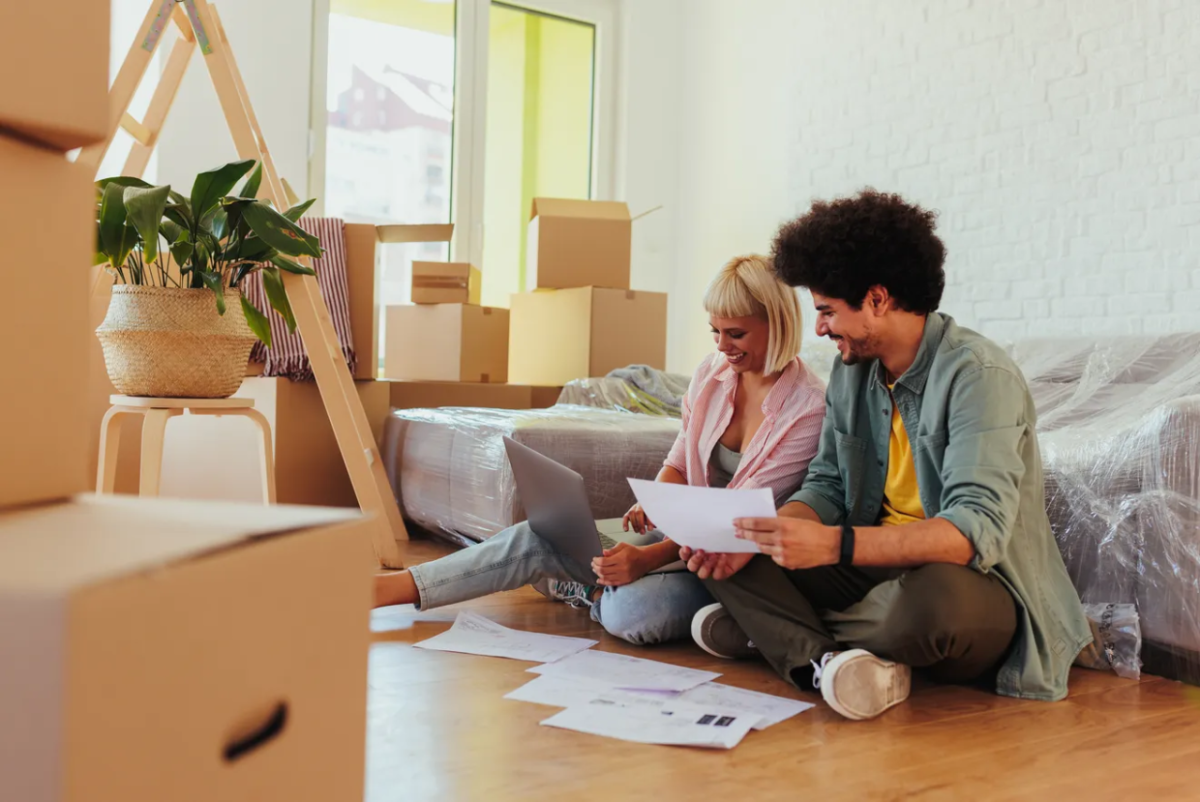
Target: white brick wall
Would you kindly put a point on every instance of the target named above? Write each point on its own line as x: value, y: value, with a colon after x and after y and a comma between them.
x: 1059, y: 140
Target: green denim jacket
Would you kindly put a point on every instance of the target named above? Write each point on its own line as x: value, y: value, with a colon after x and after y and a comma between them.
x: 970, y: 420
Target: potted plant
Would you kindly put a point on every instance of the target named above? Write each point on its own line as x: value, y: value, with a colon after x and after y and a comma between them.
x: 178, y: 264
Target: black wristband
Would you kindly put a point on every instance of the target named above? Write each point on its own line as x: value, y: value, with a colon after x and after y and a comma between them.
x: 847, y: 557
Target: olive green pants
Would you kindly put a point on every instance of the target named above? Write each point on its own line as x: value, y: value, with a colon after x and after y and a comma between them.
x: 952, y: 620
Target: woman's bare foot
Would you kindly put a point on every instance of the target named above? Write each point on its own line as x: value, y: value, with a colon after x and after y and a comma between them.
x: 396, y: 587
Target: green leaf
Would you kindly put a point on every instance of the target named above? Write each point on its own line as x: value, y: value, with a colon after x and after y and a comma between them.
x: 122, y: 181
x: 257, y: 321
x: 182, y: 249
x: 280, y: 233
x: 171, y: 230
x: 283, y: 263
x: 252, y: 248
x: 213, y: 282
x: 212, y: 185
x: 116, y: 236
x: 296, y: 212
x: 250, y: 188
x: 144, y: 208
x: 220, y: 224
x: 277, y: 295
x: 244, y: 271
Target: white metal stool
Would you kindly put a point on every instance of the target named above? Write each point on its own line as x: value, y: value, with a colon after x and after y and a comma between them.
x: 155, y: 413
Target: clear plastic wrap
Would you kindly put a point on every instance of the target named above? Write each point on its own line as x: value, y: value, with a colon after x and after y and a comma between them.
x: 615, y: 394
x: 1119, y: 429
x: 451, y: 474
x: 1116, y: 640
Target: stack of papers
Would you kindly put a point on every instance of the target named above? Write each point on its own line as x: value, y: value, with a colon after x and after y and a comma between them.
x: 619, y: 696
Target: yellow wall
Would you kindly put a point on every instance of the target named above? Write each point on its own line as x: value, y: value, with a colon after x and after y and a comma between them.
x: 538, y: 132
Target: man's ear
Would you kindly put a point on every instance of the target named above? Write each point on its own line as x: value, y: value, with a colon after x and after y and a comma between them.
x: 878, y: 300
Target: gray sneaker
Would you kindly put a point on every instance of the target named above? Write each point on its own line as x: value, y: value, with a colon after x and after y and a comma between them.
x: 576, y: 594
x: 715, y: 631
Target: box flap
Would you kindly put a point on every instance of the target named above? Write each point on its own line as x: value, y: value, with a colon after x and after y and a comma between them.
x: 459, y: 270
x: 563, y: 207
x: 90, y: 539
x: 422, y: 232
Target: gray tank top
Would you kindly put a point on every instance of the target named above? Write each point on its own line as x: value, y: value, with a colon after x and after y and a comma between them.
x: 722, y: 465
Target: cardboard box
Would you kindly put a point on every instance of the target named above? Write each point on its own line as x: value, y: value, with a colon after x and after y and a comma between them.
x: 162, y: 650
x: 362, y: 285
x: 54, y: 59
x: 46, y: 246
x: 577, y: 243
x: 445, y: 283
x: 559, y: 336
x: 430, y: 395
x: 217, y: 458
x: 447, y: 342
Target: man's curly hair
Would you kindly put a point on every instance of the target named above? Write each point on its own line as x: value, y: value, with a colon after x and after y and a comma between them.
x: 842, y: 248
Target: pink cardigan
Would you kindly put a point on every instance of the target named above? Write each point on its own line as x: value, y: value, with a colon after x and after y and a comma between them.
x: 778, y: 455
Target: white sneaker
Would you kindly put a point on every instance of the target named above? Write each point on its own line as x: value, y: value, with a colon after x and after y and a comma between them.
x: 715, y: 631
x: 860, y: 685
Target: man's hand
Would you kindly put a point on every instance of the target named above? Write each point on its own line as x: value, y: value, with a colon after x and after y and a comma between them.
x: 636, y: 517
x: 620, y: 565
x: 792, y: 542
x: 717, y: 566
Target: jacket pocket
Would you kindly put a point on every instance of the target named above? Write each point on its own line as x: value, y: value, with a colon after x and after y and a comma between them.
x: 931, y: 449
x: 852, y: 454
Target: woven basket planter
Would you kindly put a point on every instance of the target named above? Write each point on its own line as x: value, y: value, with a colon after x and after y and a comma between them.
x: 171, y: 343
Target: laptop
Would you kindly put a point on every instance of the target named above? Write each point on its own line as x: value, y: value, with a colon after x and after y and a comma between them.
x: 556, y: 504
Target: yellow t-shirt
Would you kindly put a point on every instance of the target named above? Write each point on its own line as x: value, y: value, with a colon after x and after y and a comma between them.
x: 901, y: 497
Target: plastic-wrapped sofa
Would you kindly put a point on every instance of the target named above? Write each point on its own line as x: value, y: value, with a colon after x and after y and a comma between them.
x: 1119, y: 429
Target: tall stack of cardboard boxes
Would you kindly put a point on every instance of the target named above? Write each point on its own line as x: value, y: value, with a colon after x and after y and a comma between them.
x: 578, y: 317
x: 104, y: 695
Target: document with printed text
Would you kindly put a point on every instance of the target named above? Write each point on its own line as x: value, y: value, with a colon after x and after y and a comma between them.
x: 702, y: 517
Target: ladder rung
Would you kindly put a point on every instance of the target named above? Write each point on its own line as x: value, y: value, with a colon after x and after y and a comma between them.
x: 137, y: 130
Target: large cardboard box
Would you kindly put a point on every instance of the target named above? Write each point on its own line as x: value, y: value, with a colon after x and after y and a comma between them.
x: 446, y: 342
x: 445, y: 283
x: 362, y: 285
x: 217, y: 458
x: 54, y: 59
x: 559, y: 336
x: 430, y: 395
x: 46, y: 245
x: 183, y: 651
x: 577, y: 243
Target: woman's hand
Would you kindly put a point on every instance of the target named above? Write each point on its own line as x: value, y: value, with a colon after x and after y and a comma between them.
x: 620, y: 565
x: 793, y: 543
x: 717, y: 566
x: 637, y: 519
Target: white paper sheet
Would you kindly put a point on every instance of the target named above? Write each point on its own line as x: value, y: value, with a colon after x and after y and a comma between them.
x: 702, y: 517
x: 471, y: 633
x: 623, y: 671
x: 559, y: 692
x: 677, y: 725
x: 771, y: 709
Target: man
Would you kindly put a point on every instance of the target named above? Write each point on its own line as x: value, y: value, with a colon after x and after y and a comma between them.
x: 919, y: 537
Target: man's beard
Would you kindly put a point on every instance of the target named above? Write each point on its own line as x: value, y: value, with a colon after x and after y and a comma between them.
x: 858, y: 350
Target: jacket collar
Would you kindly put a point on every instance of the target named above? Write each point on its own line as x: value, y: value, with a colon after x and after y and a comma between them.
x: 918, y: 373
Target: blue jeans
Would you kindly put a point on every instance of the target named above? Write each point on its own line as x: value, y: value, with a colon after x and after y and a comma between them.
x: 654, y: 609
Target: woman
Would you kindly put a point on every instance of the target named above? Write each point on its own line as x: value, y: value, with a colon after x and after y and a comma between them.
x: 751, y: 418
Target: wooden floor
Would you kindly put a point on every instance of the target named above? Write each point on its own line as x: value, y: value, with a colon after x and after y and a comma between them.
x: 440, y: 730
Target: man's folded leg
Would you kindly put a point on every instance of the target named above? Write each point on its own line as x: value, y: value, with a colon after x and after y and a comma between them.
x: 777, y: 612
x: 950, y: 619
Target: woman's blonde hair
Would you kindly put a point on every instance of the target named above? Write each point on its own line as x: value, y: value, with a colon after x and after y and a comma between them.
x: 747, y: 287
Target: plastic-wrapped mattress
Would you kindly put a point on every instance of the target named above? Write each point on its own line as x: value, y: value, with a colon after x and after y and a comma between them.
x: 451, y: 475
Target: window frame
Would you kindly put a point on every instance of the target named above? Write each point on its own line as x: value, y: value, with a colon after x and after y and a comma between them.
x: 472, y: 26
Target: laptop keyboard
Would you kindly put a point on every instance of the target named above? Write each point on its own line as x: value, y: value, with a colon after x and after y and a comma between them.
x: 607, y: 542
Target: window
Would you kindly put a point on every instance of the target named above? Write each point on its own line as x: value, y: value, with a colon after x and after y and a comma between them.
x: 433, y: 111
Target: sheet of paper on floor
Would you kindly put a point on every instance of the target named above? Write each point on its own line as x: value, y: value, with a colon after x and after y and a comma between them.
x: 559, y: 692
x: 678, y: 725
x: 471, y: 633
x: 702, y: 517
x: 623, y: 671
